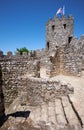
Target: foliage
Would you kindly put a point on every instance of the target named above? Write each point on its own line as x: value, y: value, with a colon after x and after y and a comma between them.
x: 21, y: 50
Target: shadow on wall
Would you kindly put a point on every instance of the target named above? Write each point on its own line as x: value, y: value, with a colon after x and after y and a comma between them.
x: 24, y: 114
x: 2, y: 108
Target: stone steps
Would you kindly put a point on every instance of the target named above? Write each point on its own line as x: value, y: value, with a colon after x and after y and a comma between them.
x: 79, y: 112
x: 51, y: 113
x: 69, y: 112
x: 58, y: 112
x: 44, y: 112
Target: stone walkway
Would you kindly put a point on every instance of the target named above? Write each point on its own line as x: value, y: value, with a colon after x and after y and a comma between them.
x: 65, y: 110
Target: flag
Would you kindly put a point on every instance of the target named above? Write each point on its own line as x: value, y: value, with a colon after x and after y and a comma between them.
x: 60, y: 11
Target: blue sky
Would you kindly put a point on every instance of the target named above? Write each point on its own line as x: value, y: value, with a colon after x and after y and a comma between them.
x: 22, y: 22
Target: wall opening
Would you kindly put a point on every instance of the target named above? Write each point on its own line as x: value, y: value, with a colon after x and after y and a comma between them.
x: 64, y: 25
x: 53, y: 27
x: 48, y: 45
x: 69, y: 39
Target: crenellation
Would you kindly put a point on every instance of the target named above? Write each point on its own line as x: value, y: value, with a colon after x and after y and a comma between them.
x: 82, y: 38
x: 40, y: 53
x: 63, y: 18
x: 70, y: 16
x: 56, y: 18
x: 1, y: 54
x: 9, y: 53
x: 49, y: 21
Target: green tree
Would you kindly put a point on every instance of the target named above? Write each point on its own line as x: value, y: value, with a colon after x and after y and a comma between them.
x: 21, y: 50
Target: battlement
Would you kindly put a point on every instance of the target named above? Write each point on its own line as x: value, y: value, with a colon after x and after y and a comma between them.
x: 56, y: 18
x: 59, y: 31
x: 82, y: 38
x: 32, y: 54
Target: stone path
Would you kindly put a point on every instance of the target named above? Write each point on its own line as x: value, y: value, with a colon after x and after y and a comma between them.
x: 65, y: 110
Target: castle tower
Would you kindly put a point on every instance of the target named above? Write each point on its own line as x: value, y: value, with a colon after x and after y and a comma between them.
x: 59, y: 31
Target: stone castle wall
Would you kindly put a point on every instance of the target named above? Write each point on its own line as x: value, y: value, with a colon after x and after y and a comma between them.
x: 58, y: 31
x: 12, y: 68
x: 73, y: 57
x: 34, y: 91
x: 68, y: 59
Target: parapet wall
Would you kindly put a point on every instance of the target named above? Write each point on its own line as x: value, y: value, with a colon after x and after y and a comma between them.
x: 34, y: 91
x: 36, y: 54
x: 12, y: 69
x: 13, y: 66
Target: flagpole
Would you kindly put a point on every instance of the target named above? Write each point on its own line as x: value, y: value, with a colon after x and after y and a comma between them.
x: 63, y: 10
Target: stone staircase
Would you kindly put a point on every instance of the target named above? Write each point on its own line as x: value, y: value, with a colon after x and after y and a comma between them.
x: 60, y: 112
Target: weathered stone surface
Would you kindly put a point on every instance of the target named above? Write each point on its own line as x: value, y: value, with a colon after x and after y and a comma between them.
x: 38, y: 90
x: 59, y: 112
x: 70, y: 115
